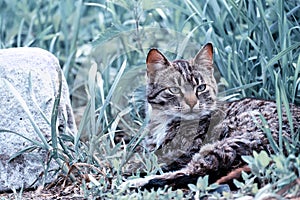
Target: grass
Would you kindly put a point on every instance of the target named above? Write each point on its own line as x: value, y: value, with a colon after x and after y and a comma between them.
x: 102, y: 46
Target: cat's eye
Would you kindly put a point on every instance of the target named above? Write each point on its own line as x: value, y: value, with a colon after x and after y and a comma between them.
x: 201, y: 88
x: 174, y: 90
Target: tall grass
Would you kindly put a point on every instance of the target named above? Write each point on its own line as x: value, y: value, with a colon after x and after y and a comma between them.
x: 102, y: 47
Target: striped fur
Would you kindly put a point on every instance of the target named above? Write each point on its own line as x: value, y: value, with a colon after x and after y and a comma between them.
x: 181, y: 94
x: 193, y: 134
x: 186, y: 77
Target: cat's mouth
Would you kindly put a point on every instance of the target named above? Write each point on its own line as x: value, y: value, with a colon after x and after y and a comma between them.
x: 192, y: 114
x: 188, y: 114
x: 190, y: 117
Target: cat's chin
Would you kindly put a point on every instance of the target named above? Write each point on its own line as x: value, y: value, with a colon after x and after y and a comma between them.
x: 195, y: 116
x: 192, y: 115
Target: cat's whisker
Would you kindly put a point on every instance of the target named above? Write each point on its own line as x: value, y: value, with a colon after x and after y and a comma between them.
x: 178, y: 108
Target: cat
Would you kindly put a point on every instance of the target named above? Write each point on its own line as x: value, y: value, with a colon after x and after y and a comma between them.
x: 195, y: 134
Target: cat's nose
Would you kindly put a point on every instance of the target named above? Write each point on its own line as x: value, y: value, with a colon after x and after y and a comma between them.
x: 191, y: 101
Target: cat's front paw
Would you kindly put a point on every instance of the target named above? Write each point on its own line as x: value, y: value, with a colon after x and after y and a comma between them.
x: 156, y: 181
x: 136, y: 183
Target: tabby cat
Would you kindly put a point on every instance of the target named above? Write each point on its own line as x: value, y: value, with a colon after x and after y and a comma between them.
x: 192, y: 132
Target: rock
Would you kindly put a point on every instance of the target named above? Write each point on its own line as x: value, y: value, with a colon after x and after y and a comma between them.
x: 29, y: 77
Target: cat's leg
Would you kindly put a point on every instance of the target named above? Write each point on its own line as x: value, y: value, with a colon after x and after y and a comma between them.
x: 225, y: 154
x: 214, y: 159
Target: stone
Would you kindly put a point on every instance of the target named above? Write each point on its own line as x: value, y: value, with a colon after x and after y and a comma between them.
x: 29, y: 84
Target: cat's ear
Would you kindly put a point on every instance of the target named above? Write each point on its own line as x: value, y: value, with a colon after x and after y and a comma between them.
x: 155, y: 61
x: 204, y: 57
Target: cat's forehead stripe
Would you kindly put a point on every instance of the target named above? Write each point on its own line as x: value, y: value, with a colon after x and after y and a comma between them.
x: 177, y: 80
x: 187, y: 72
x: 195, y: 81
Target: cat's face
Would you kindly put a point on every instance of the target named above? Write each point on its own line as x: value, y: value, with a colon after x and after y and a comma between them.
x: 181, y: 88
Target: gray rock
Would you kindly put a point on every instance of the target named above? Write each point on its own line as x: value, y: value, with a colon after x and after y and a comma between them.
x: 29, y: 80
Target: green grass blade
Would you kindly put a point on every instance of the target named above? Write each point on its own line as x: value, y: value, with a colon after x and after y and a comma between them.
x: 286, y: 105
x: 112, y: 89
x: 20, y: 33
x: 296, y: 80
x: 76, y: 25
x: 35, y: 101
x: 265, y: 22
x: 67, y: 65
x: 238, y: 89
x: 54, y: 117
x: 25, y: 150
x: 240, y: 12
x: 268, y: 133
x: 279, y: 111
x: 26, y: 138
x: 185, y: 43
x: 84, y: 120
x: 92, y: 93
x: 282, y: 53
x: 40, y: 36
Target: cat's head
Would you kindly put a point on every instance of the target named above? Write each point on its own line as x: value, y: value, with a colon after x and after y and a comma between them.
x: 182, y: 88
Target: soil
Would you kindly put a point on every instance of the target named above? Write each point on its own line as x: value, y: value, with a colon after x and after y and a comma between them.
x: 56, y: 192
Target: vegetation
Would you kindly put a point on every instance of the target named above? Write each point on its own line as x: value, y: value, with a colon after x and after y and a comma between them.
x: 102, y: 46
